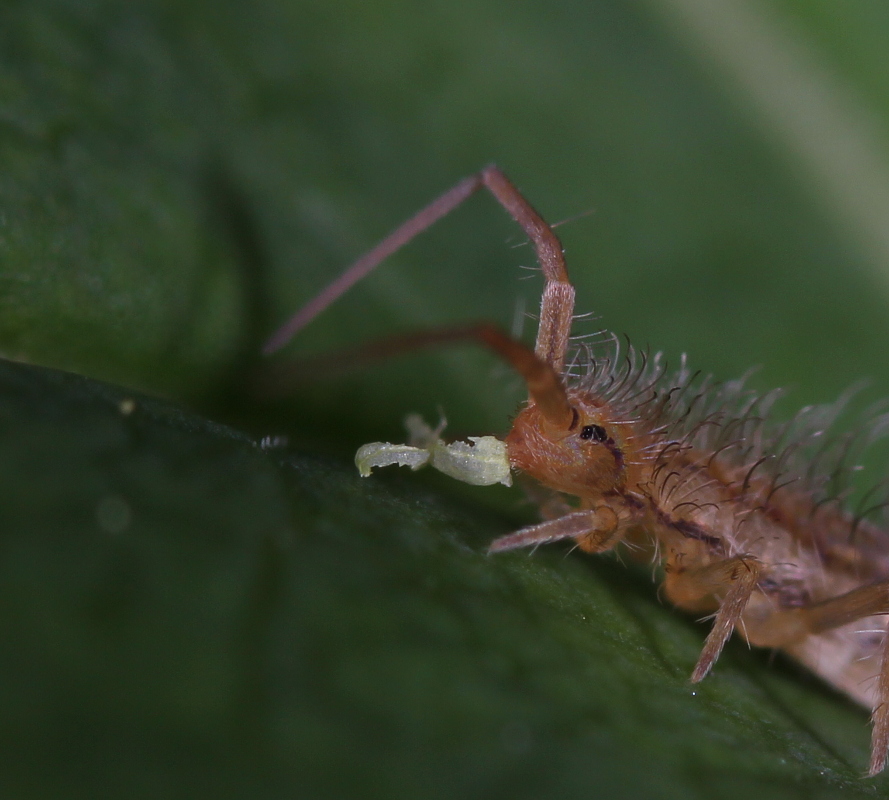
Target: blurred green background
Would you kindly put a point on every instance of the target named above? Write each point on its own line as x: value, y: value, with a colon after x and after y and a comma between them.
x: 175, y: 178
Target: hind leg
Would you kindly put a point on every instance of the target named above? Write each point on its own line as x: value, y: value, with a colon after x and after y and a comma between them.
x: 791, y: 625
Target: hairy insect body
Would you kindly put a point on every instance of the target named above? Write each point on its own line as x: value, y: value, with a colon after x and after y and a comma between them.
x: 745, y: 515
x: 711, y: 525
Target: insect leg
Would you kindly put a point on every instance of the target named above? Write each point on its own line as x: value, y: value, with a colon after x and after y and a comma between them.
x: 785, y: 627
x: 689, y: 588
x: 789, y: 625
x: 879, y: 747
x: 595, y: 531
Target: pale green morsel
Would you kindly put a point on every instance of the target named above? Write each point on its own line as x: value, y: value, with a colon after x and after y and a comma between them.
x: 482, y: 462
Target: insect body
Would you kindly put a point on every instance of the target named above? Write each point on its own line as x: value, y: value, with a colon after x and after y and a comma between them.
x: 742, y: 512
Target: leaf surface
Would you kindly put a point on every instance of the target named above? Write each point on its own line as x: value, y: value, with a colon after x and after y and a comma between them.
x: 184, y: 608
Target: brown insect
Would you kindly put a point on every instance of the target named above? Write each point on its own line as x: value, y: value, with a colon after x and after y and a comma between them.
x: 746, y: 515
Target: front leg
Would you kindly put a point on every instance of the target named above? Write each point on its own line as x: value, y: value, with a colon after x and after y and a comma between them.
x: 595, y: 530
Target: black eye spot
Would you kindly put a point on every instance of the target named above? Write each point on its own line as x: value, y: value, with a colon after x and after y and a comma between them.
x: 595, y: 432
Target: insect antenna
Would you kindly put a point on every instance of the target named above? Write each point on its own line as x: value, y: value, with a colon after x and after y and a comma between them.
x: 369, y: 261
x: 557, y: 304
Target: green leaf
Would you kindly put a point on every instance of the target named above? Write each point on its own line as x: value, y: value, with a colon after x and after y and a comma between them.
x: 187, y: 614
x: 183, y: 607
